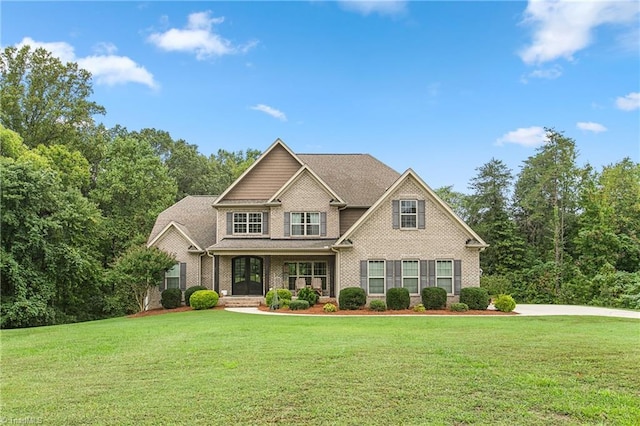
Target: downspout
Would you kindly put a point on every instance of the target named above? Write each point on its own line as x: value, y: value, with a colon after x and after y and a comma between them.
x: 337, y: 264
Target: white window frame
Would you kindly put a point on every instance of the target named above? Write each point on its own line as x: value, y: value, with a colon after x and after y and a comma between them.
x: 416, y: 277
x: 172, y: 274
x: 247, y: 223
x: 409, y: 215
x: 383, y: 276
x: 305, y: 223
x: 450, y: 261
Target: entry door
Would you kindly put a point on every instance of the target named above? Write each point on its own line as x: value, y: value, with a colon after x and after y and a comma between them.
x: 247, y: 276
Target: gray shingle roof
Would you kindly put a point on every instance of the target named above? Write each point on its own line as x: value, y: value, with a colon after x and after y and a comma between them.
x: 359, y: 179
x: 194, y: 215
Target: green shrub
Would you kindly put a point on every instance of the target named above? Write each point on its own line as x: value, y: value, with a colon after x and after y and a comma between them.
x: 171, y: 298
x: 434, y: 297
x: 398, y: 298
x: 378, y: 305
x: 476, y: 298
x: 298, y: 305
x: 496, y: 284
x: 419, y: 308
x: 188, y: 292
x: 204, y: 299
x: 504, y: 303
x: 283, y: 294
x: 329, y: 307
x: 308, y: 294
x: 459, y: 307
x: 352, y: 298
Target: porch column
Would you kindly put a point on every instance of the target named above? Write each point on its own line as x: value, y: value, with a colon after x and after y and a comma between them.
x: 216, y: 273
x: 267, y: 274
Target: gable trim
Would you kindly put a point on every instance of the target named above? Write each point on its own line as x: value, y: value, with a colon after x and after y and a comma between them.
x: 410, y: 173
x: 184, y: 234
x: 336, y: 198
x: 278, y: 142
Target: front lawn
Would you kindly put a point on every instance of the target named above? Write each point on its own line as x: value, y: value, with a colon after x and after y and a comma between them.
x: 218, y: 367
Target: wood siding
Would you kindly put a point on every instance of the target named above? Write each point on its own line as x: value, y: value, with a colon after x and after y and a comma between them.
x: 267, y: 177
x: 348, y: 217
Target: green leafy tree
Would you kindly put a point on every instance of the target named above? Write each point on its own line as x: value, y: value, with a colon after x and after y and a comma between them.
x: 456, y: 200
x: 545, y: 200
x: 48, y: 265
x: 228, y: 166
x: 132, y: 188
x: 488, y: 207
x: 44, y: 100
x: 139, y: 270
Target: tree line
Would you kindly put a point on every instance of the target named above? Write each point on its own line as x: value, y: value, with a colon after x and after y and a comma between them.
x: 78, y: 201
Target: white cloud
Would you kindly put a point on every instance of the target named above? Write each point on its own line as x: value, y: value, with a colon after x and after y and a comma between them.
x: 198, y: 37
x: 563, y: 27
x: 105, y: 67
x: 590, y: 126
x: 629, y: 102
x: 381, y: 7
x: 548, y: 73
x: 275, y: 113
x: 525, y: 136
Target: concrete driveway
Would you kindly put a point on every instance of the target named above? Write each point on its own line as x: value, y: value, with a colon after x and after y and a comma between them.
x: 540, y: 310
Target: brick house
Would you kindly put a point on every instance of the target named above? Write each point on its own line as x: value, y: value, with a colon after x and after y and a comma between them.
x: 328, y: 221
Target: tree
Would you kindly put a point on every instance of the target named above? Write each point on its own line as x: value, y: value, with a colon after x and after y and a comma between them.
x: 138, y: 270
x: 48, y: 264
x: 546, y: 199
x: 610, y: 220
x: 44, y: 100
x: 228, y: 166
x: 132, y: 188
x: 456, y: 200
x: 488, y: 208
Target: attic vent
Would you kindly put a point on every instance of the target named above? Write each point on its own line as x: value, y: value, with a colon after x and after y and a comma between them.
x: 192, y: 247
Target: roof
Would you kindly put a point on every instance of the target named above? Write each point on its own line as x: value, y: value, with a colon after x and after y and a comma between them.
x: 359, y: 179
x: 267, y: 244
x: 193, y: 216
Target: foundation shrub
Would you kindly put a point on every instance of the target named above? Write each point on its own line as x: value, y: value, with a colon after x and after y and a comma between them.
x: 352, y: 298
x: 171, y: 298
x: 434, y: 297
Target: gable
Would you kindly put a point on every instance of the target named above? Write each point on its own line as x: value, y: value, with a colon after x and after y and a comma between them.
x: 267, y: 176
x: 441, y: 221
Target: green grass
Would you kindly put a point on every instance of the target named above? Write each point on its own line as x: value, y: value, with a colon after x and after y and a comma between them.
x: 217, y: 367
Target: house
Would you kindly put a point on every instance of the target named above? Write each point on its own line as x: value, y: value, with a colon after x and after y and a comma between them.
x: 327, y: 220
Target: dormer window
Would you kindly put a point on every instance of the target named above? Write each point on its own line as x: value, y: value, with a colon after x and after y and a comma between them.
x: 247, y: 223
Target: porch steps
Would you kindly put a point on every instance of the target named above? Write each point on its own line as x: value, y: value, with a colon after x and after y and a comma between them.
x: 240, y: 301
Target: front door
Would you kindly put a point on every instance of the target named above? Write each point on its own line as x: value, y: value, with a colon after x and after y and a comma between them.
x: 247, y: 276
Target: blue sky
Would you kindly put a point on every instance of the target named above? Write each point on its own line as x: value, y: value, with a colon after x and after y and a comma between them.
x: 439, y: 87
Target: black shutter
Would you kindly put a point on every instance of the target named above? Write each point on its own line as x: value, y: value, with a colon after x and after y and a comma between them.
x: 389, y: 274
x: 423, y: 274
x: 457, y: 276
x: 265, y: 223
x: 363, y: 274
x: 397, y: 274
x: 421, y: 214
x: 323, y: 224
x: 396, y: 214
x: 163, y: 283
x: 432, y: 273
x: 287, y: 224
x: 229, y: 223
x: 183, y: 276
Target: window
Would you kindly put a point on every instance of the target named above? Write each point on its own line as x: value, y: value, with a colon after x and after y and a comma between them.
x: 305, y: 224
x: 376, y: 277
x: 408, y: 214
x: 410, y: 275
x: 308, y: 271
x: 247, y: 223
x: 172, y: 277
x: 444, y: 275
